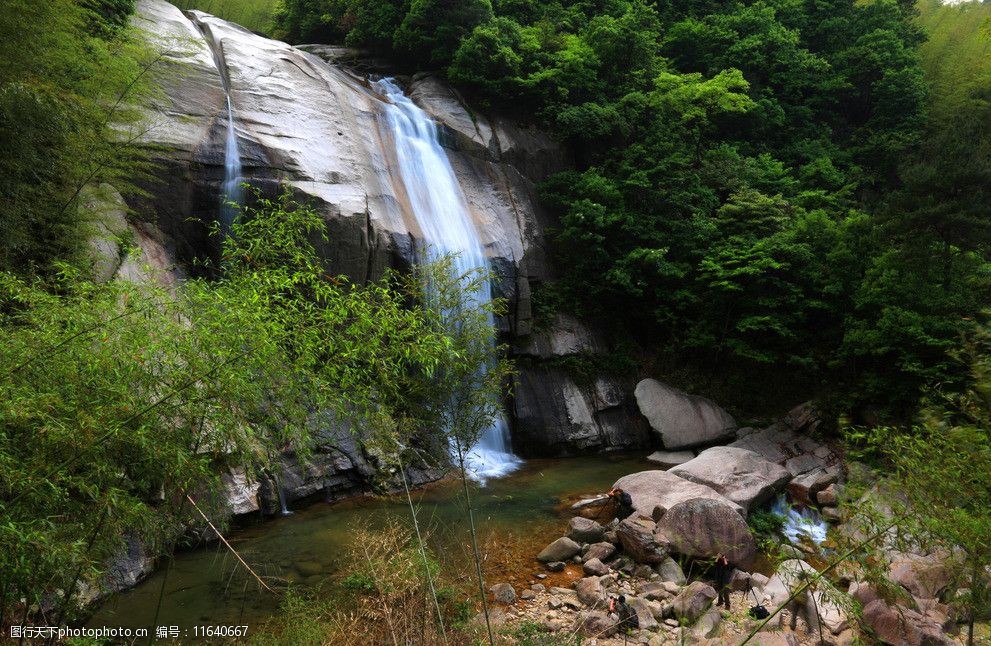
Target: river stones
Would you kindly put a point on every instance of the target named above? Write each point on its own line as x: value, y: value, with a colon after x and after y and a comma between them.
x: 595, y: 567
x: 655, y: 491
x: 682, y: 420
x: 703, y: 528
x: 560, y: 550
x: 601, y: 551
x: 585, y: 530
x: 742, y: 476
x: 503, y: 593
x: 592, y: 590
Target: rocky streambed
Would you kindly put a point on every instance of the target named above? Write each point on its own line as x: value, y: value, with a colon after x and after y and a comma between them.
x: 660, y: 558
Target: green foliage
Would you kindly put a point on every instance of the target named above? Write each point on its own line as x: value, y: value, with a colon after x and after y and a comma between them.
x: 941, y: 470
x: 121, y: 398
x: 765, y: 522
x: 773, y: 190
x: 255, y: 15
x: 66, y: 68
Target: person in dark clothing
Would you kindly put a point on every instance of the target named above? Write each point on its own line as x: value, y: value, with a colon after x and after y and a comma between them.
x: 623, y: 501
x: 724, y: 572
x: 628, y: 619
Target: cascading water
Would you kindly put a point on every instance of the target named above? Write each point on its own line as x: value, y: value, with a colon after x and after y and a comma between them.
x: 798, y: 523
x: 233, y: 193
x: 441, y: 211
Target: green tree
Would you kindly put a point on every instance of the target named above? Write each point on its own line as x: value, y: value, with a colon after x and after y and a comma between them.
x: 942, y: 468
x: 432, y: 29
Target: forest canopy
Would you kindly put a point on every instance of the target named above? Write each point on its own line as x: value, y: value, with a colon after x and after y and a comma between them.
x: 774, y: 192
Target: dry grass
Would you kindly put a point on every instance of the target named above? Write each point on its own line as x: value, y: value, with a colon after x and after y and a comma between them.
x: 384, y: 599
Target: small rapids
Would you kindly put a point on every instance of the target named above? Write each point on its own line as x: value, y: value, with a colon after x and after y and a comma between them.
x: 805, y: 522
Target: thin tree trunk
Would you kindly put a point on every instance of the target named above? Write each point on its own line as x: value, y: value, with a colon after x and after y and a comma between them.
x: 975, y: 581
x: 423, y: 552
x: 474, y: 542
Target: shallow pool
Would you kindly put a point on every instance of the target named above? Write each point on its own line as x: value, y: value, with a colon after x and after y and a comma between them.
x: 517, y: 515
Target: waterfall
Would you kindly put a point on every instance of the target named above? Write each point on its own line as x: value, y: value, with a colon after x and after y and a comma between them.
x: 283, y: 506
x: 441, y: 212
x: 232, y: 190
x: 800, y: 522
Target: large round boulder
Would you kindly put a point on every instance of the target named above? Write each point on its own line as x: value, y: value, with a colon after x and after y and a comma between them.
x: 682, y: 420
x: 703, y: 528
x: 654, y: 492
x: 743, y: 476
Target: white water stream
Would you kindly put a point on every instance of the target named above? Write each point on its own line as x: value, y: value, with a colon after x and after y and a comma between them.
x: 232, y: 189
x: 805, y: 522
x: 440, y: 209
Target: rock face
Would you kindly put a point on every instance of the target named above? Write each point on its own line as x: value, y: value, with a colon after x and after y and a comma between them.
x: 241, y: 493
x: 337, y: 467
x: 658, y: 491
x: 555, y: 416
x: 315, y: 126
x: 682, y: 420
x: 124, y: 570
x: 740, y: 475
x: 703, y: 528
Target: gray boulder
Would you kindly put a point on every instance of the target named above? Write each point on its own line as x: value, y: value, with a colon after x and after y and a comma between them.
x: 707, y: 626
x: 668, y: 459
x: 636, y: 535
x: 503, y: 593
x: 669, y: 570
x: 923, y: 576
x: 592, y: 592
x: 645, y: 615
x: 682, y: 420
x: 560, y: 550
x: 820, y: 601
x: 740, y: 475
x: 654, y: 492
x: 595, y: 624
x: 703, y: 528
x: 692, y: 602
x: 595, y: 567
x: 585, y: 530
x: 601, y: 551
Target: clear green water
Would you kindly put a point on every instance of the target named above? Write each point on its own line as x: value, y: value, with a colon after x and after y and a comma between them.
x: 517, y: 515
